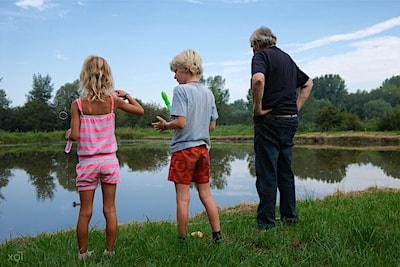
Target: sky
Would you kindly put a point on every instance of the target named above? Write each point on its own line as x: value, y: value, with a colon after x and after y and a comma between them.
x: 356, y: 39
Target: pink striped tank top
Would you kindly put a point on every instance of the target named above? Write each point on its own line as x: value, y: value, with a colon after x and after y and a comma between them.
x: 96, y: 135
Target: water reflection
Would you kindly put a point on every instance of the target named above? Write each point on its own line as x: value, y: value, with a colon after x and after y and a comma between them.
x: 330, y: 165
x: 45, y: 165
x: 47, y: 174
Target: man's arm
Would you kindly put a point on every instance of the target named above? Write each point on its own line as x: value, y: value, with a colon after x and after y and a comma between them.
x: 257, y: 88
x: 304, y: 93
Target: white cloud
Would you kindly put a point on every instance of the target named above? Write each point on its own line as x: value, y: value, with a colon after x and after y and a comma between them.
x: 63, y: 13
x: 26, y: 4
x: 375, y: 29
x: 193, y: 1
x: 224, y: 1
x: 240, y: 1
x: 60, y: 56
x: 365, y: 67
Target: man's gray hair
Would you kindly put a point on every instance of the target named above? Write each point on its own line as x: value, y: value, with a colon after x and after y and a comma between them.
x: 263, y: 36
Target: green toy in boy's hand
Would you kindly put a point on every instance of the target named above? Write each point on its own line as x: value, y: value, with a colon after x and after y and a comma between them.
x: 166, y: 101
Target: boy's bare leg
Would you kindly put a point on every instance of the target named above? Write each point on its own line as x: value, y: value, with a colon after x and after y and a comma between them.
x: 182, y: 208
x: 210, y: 206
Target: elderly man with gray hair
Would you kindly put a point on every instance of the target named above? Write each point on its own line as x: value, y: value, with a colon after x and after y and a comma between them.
x: 276, y: 103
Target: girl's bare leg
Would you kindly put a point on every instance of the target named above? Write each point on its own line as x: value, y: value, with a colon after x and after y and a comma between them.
x: 85, y: 214
x: 110, y: 214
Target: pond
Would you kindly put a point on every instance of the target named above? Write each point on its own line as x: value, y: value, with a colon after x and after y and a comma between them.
x: 37, y: 183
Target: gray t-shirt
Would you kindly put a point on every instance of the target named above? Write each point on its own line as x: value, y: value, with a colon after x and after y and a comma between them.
x: 196, y: 103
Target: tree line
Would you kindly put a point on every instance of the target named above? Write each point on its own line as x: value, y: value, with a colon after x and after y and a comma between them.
x: 329, y: 108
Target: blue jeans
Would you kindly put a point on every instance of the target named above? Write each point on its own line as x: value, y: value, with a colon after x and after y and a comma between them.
x: 273, y: 142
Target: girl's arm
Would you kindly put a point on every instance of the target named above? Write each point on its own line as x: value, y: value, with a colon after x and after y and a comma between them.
x: 132, y: 106
x: 73, y: 132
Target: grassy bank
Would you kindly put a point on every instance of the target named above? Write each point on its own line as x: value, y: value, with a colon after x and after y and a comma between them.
x: 233, y: 133
x: 230, y: 132
x: 358, y: 229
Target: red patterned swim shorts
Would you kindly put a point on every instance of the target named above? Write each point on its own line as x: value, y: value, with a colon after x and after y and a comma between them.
x: 190, y: 165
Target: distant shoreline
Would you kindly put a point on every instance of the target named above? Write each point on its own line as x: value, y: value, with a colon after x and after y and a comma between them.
x: 318, y: 139
x: 342, y: 139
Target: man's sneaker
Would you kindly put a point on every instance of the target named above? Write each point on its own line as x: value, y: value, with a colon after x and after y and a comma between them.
x: 265, y: 226
x: 289, y: 221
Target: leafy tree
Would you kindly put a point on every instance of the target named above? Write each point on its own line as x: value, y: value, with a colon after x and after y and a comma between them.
x: 37, y: 114
x: 350, y: 122
x: 242, y: 117
x: 374, y: 104
x: 62, y: 103
x: 389, y: 91
x: 354, y: 103
x: 216, y: 85
x: 308, y: 112
x: 394, y: 81
x: 249, y: 98
x: 4, y: 110
x: 376, y: 108
x: 240, y: 105
x: 330, y: 87
x: 4, y: 101
x: 240, y: 113
x: 152, y: 110
x: 390, y: 122
x: 42, y: 88
x: 331, y: 118
x: 328, y: 118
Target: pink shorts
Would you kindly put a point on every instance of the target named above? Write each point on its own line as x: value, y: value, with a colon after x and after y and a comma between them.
x: 190, y: 165
x: 91, y: 170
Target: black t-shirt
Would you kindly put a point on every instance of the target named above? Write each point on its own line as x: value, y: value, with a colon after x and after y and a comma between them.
x: 282, y: 78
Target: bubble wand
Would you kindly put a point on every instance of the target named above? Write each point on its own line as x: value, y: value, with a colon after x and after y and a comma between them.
x: 166, y: 101
x: 68, y: 146
x: 63, y: 116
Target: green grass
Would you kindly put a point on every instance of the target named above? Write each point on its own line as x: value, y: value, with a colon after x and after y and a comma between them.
x: 59, y: 136
x: 124, y: 134
x: 222, y: 132
x: 359, y: 229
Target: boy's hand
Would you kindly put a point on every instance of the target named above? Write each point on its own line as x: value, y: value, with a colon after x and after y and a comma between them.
x: 161, y: 125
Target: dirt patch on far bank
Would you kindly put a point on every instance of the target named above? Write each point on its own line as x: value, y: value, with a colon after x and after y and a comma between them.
x: 357, y: 140
x: 349, y: 139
